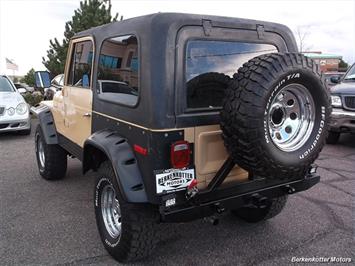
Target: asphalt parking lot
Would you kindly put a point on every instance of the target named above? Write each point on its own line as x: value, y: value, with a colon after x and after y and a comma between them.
x: 45, y: 222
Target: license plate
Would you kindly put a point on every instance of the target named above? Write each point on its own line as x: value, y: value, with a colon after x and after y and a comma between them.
x: 173, y: 179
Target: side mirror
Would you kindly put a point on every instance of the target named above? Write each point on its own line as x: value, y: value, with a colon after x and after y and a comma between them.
x: 42, y: 79
x: 334, y: 79
x: 22, y: 90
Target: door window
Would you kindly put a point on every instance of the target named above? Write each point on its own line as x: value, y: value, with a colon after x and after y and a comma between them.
x: 81, y: 65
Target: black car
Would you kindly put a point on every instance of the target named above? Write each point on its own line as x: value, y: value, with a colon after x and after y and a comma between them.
x: 343, y: 102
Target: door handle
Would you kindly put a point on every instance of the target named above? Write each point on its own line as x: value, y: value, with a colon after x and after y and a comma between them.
x: 86, y: 114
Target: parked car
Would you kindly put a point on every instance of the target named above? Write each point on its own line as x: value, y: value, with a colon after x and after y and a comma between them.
x: 343, y: 102
x: 159, y: 153
x: 56, y: 85
x: 118, y: 89
x: 23, y: 88
x: 14, y: 111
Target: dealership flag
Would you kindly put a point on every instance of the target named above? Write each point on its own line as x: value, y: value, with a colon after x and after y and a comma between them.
x: 11, y: 65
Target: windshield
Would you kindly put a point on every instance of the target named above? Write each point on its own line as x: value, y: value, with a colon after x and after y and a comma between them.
x: 5, y: 85
x: 351, y: 74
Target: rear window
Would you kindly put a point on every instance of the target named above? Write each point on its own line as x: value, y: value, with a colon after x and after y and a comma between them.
x: 206, y: 56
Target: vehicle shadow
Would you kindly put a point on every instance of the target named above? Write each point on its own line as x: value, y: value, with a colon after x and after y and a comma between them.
x: 347, y: 140
x: 12, y: 135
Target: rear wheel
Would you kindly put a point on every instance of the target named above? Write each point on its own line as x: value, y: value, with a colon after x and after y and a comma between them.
x: 51, y: 159
x: 127, y: 230
x: 256, y: 214
x: 333, y: 137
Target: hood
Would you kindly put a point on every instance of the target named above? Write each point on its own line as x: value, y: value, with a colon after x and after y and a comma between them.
x: 10, y: 99
x: 347, y: 87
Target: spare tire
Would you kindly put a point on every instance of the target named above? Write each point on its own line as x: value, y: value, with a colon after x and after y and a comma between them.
x: 275, y: 115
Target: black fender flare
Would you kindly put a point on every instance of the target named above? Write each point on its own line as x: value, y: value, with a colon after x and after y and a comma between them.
x: 123, y: 160
x: 47, y: 124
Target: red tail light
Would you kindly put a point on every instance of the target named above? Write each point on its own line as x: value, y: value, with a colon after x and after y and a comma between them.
x: 180, y: 154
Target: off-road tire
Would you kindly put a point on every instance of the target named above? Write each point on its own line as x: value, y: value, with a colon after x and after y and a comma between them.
x: 55, y: 163
x: 255, y: 214
x: 206, y: 89
x: 333, y: 137
x: 138, y: 222
x: 244, y: 116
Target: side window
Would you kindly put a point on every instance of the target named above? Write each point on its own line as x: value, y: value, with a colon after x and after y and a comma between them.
x: 117, y: 77
x: 80, y: 65
x: 205, y: 58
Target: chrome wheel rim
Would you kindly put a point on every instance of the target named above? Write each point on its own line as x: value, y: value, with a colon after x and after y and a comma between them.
x: 291, y: 117
x: 111, y: 212
x: 41, y: 156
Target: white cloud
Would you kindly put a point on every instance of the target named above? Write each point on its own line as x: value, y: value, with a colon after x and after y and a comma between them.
x: 27, y: 26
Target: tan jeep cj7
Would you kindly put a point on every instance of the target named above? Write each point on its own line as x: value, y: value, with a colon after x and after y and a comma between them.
x: 182, y: 117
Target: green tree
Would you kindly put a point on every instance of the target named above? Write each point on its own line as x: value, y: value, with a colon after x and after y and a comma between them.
x: 343, y: 65
x: 91, y: 13
x: 29, y: 78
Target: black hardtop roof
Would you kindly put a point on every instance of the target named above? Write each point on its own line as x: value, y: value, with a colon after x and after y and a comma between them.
x: 166, y: 20
x: 161, y: 59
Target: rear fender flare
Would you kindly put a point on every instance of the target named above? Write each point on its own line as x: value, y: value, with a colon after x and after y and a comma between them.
x: 124, y: 163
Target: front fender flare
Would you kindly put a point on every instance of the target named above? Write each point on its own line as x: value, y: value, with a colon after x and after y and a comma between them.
x: 124, y: 163
x: 46, y: 121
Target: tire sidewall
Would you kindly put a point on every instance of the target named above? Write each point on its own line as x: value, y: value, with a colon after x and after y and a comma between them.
x: 314, y: 143
x: 38, y: 138
x: 109, y: 242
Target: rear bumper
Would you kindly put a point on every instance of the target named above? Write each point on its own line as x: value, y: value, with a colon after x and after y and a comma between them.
x: 342, y: 121
x: 206, y: 204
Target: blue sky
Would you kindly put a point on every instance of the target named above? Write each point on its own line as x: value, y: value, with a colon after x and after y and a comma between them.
x: 27, y: 26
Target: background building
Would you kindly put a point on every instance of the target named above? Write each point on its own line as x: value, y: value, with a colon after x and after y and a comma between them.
x: 327, y: 62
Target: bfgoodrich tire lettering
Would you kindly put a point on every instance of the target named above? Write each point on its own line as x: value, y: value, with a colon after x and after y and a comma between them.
x: 245, y: 117
x: 137, y: 236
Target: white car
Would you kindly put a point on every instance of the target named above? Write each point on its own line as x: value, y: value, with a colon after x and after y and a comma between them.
x: 14, y: 111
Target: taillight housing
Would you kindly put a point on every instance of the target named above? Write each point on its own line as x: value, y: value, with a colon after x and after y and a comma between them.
x: 180, y: 154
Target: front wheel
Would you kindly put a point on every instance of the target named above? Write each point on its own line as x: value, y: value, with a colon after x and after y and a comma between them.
x: 51, y: 159
x: 127, y: 230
